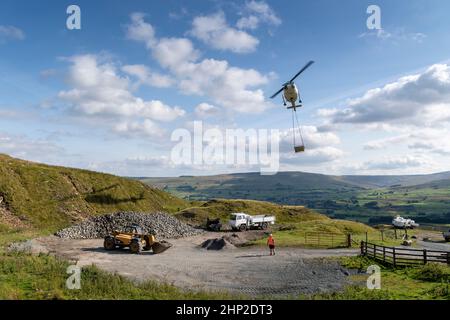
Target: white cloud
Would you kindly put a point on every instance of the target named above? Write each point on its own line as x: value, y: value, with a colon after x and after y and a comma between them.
x: 320, y: 147
x: 420, y: 99
x: 313, y: 157
x: 141, y: 31
x: 33, y: 149
x: 99, y: 90
x: 250, y: 22
x: 429, y: 140
x: 146, y: 128
x: 257, y: 12
x: 204, y: 110
x: 398, y: 162
x: 147, y: 77
x: 11, y: 32
x: 214, y: 31
x: 229, y: 87
x: 173, y: 53
x: 394, y: 36
x: 313, y: 138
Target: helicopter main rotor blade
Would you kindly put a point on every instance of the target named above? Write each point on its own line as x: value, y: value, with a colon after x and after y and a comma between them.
x: 303, y: 69
x: 277, y: 93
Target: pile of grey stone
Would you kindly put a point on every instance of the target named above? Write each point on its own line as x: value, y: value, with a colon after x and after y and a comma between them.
x: 160, y: 224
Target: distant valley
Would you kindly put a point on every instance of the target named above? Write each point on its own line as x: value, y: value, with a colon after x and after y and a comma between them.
x: 369, y: 199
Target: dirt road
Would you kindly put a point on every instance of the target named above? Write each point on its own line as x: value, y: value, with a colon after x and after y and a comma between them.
x: 247, y: 270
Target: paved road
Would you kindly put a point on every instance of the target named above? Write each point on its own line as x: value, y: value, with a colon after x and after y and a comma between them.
x: 251, y: 271
x: 441, y: 246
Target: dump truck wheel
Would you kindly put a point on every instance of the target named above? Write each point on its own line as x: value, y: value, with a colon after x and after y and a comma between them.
x: 242, y: 227
x: 109, y: 243
x: 135, y: 246
x: 264, y: 226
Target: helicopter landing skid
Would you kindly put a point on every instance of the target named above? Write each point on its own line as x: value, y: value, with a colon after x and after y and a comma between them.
x: 294, y: 107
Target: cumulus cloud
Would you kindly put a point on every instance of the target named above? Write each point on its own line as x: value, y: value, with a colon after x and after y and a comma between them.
x: 313, y: 157
x: 257, y: 12
x: 214, y: 31
x: 174, y: 53
x: 32, y: 149
x: 429, y: 140
x: 421, y: 99
x: 229, y: 87
x: 398, y: 162
x: 312, y: 136
x: 320, y: 147
x: 147, y: 77
x: 98, y: 89
x: 141, y: 31
x: 144, y: 128
x: 11, y: 33
x: 204, y: 110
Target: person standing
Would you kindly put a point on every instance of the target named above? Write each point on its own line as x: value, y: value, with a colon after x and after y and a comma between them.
x: 271, y: 244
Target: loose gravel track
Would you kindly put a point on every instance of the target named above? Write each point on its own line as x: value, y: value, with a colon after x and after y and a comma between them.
x: 241, y: 270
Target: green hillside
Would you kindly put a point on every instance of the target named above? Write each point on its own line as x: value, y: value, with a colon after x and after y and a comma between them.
x: 49, y: 197
x: 221, y: 208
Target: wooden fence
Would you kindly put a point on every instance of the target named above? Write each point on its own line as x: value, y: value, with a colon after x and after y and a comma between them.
x: 329, y: 240
x: 403, y: 256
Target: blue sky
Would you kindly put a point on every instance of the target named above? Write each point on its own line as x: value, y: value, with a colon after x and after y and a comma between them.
x: 108, y: 96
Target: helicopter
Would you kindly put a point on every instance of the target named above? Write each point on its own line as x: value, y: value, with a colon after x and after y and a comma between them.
x: 291, y: 94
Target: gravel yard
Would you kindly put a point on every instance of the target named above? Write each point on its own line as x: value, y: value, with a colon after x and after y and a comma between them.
x: 242, y: 270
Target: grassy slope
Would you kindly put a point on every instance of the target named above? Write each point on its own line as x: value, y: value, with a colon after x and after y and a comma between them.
x: 49, y: 197
x: 221, y: 208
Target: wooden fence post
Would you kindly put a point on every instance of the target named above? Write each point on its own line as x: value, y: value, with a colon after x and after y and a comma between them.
x: 393, y: 257
x: 384, y: 254
x: 448, y: 258
x: 349, y: 240
x: 375, y: 251
x: 424, y: 256
x: 362, y: 248
x: 382, y: 235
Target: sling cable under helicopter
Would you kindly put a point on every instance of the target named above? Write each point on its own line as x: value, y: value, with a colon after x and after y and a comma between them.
x: 291, y: 94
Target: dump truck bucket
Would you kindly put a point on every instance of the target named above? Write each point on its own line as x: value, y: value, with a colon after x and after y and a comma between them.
x: 159, y: 247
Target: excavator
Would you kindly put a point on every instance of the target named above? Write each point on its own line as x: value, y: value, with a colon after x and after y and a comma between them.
x: 136, y: 240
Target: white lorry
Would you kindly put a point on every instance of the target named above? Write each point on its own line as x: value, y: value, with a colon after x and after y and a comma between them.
x: 242, y: 221
x: 402, y: 223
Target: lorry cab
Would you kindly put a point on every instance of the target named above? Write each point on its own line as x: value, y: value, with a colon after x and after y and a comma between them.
x: 238, y: 220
